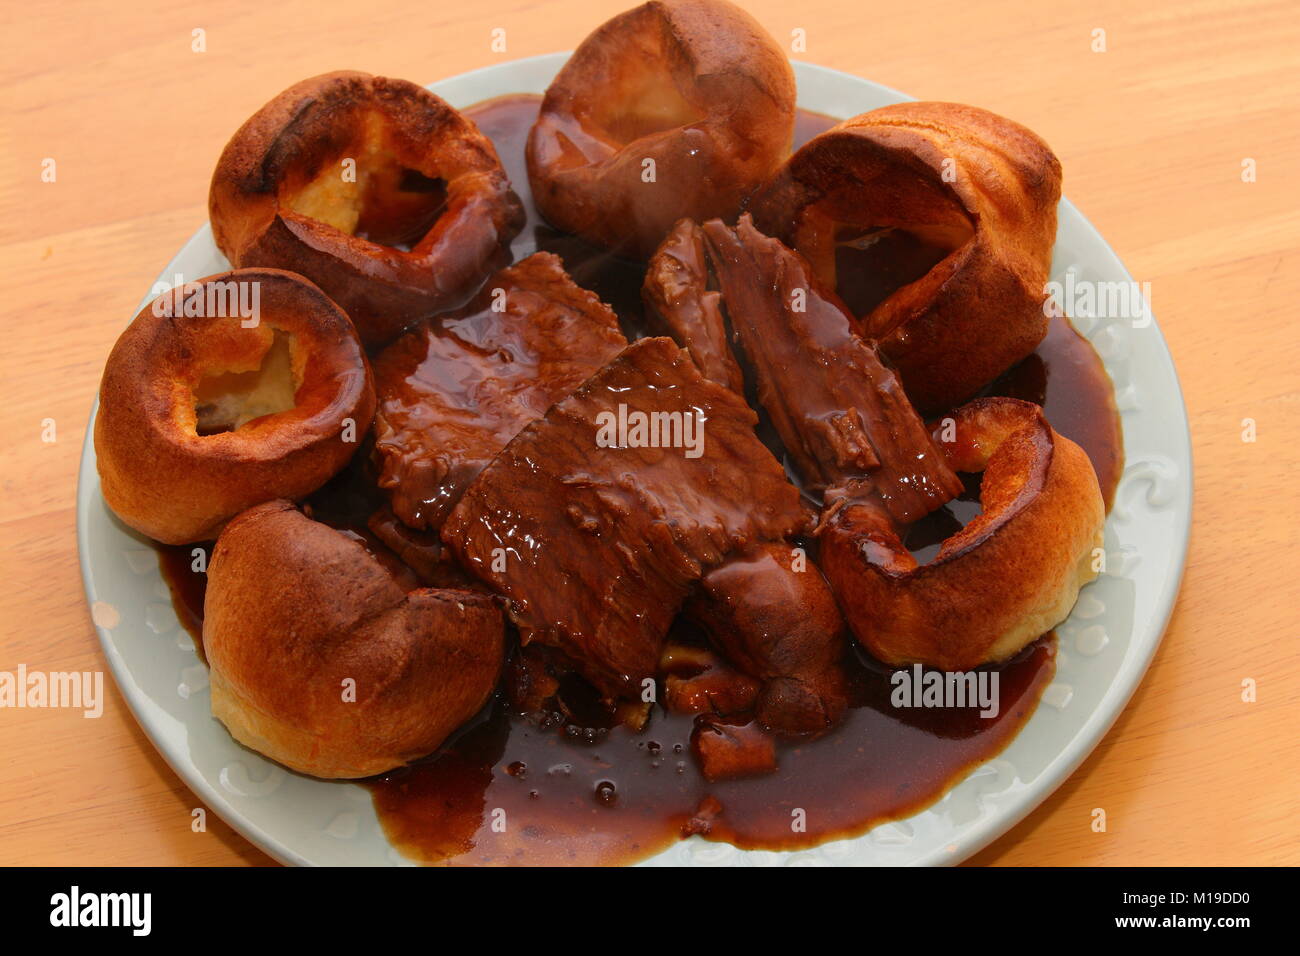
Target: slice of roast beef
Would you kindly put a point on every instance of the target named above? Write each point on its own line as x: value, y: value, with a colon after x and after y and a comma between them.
x: 677, y: 294
x: 770, y: 611
x: 453, y: 391
x: 595, y: 522
x: 841, y: 413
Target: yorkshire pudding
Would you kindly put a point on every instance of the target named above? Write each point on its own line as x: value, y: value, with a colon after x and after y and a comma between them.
x: 375, y: 189
x: 326, y: 660
x: 935, y: 222
x: 224, y: 393
x: 677, y: 108
x: 1010, y: 575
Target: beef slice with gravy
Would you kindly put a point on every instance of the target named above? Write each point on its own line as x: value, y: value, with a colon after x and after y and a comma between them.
x: 678, y: 293
x: 840, y: 411
x: 596, y: 525
x: 454, y: 390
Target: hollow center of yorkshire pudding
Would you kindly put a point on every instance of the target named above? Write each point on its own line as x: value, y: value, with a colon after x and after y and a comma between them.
x: 925, y: 537
x: 871, y: 264
x: 877, y: 227
x: 226, y: 400
x: 374, y: 196
x: 1007, y: 465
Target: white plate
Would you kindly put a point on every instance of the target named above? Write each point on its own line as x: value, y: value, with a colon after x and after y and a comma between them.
x: 1104, y: 647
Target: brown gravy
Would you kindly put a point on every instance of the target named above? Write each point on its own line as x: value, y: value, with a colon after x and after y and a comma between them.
x: 510, y: 788
x: 613, y: 796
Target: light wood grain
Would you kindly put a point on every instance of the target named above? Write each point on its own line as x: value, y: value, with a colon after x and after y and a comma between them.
x: 1151, y: 133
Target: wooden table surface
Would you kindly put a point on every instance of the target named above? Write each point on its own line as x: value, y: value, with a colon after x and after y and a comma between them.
x: 1152, y: 134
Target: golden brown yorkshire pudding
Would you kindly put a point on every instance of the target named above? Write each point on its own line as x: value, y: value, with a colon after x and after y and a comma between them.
x: 224, y: 393
x: 1010, y: 575
x: 677, y: 108
x: 935, y: 223
x: 375, y: 189
x: 323, y: 659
